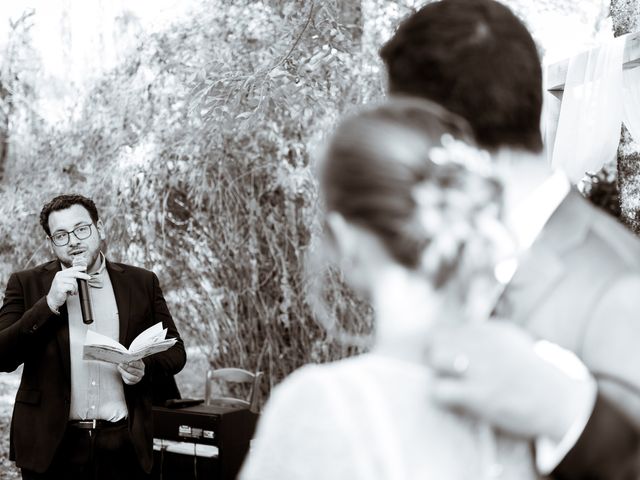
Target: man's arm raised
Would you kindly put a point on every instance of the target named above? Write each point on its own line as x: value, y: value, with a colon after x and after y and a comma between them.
x: 513, y: 385
x: 19, y: 327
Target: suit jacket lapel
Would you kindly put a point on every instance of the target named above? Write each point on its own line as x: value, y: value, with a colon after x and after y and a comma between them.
x: 542, y: 267
x: 539, y: 270
x: 568, y: 226
x: 123, y: 297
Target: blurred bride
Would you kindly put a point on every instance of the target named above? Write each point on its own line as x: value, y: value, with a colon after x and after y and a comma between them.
x: 413, y: 215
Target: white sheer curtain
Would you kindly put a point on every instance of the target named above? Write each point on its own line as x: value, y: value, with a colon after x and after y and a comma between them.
x: 631, y: 101
x: 591, y: 113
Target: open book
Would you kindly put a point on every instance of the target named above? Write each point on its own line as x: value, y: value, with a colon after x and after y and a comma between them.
x: 102, y: 348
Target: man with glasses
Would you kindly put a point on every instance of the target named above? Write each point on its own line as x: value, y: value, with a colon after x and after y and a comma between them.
x: 77, y: 419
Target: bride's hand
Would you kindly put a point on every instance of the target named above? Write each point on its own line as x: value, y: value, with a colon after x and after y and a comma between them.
x: 494, y: 372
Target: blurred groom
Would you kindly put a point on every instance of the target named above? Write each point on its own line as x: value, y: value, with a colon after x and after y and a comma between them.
x: 75, y: 419
x: 578, y: 278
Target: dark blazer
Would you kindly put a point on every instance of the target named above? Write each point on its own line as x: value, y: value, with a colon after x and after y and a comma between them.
x: 32, y: 335
x: 607, y: 449
x: 579, y: 287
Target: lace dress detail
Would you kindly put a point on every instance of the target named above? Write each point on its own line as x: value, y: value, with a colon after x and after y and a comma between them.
x: 370, y: 418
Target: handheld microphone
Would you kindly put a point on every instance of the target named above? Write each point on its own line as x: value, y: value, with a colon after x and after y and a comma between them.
x: 83, y: 292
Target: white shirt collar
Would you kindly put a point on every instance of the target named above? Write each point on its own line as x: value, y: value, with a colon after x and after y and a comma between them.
x: 528, y: 218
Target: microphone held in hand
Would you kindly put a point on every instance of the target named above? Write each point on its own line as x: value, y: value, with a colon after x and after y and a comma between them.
x: 83, y: 293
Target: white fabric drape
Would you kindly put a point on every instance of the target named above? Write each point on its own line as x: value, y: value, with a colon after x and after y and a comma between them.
x: 631, y: 101
x: 591, y: 113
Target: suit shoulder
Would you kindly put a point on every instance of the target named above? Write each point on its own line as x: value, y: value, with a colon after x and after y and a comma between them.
x: 137, y: 271
x: 38, y: 269
x: 617, y: 237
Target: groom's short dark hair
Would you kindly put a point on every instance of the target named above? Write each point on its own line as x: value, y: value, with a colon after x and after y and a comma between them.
x: 478, y: 60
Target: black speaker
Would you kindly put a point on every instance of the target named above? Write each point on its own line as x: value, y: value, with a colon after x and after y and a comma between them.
x: 213, y: 442
x: 169, y: 465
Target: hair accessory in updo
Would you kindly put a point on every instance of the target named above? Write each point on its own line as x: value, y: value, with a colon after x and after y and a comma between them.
x: 454, y: 151
x: 456, y: 205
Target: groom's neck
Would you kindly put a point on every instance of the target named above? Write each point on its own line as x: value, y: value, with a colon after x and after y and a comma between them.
x: 521, y: 172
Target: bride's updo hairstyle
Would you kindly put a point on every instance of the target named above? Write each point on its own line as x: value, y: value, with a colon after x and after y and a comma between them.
x: 406, y: 171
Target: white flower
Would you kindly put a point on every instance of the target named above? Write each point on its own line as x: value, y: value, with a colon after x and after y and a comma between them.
x: 453, y: 151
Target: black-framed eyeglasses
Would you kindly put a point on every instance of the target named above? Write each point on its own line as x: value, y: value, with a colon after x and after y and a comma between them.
x: 82, y: 232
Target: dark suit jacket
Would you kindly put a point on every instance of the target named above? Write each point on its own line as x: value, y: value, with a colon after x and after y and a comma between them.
x: 32, y: 335
x: 579, y: 287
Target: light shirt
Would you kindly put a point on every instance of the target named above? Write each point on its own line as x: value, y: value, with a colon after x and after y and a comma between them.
x: 526, y: 222
x: 548, y: 452
x: 97, y: 390
x: 528, y: 218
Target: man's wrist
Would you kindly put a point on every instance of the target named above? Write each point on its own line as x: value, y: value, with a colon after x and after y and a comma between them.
x: 52, y: 307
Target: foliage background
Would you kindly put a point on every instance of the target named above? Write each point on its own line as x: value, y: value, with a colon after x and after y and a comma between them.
x: 196, y: 148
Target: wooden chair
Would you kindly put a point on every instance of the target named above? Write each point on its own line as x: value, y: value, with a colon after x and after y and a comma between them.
x: 215, y: 396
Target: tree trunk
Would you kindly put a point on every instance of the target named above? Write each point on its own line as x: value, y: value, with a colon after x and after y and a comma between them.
x: 5, y: 99
x: 350, y: 14
x: 626, y: 19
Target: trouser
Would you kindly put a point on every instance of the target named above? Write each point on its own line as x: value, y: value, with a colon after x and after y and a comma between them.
x: 101, y: 453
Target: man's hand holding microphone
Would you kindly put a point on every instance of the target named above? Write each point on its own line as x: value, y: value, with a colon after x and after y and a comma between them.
x: 65, y: 283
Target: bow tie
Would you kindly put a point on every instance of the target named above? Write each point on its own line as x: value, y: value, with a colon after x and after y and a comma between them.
x: 95, y: 281
x: 96, y: 277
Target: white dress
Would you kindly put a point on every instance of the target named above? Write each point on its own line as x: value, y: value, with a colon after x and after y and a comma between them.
x: 370, y: 418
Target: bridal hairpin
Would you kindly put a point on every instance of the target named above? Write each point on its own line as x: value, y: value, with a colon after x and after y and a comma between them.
x: 454, y: 151
x: 455, y: 206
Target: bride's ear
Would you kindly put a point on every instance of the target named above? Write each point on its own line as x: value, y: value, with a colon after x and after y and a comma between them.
x: 353, y: 256
x: 344, y: 235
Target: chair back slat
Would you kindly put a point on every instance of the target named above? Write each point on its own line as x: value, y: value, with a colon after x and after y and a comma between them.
x: 233, y: 375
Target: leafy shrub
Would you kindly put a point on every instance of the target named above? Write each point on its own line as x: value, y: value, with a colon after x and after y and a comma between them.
x: 198, y: 150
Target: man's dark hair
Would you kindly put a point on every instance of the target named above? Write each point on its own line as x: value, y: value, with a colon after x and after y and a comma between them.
x: 475, y: 58
x: 62, y: 202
